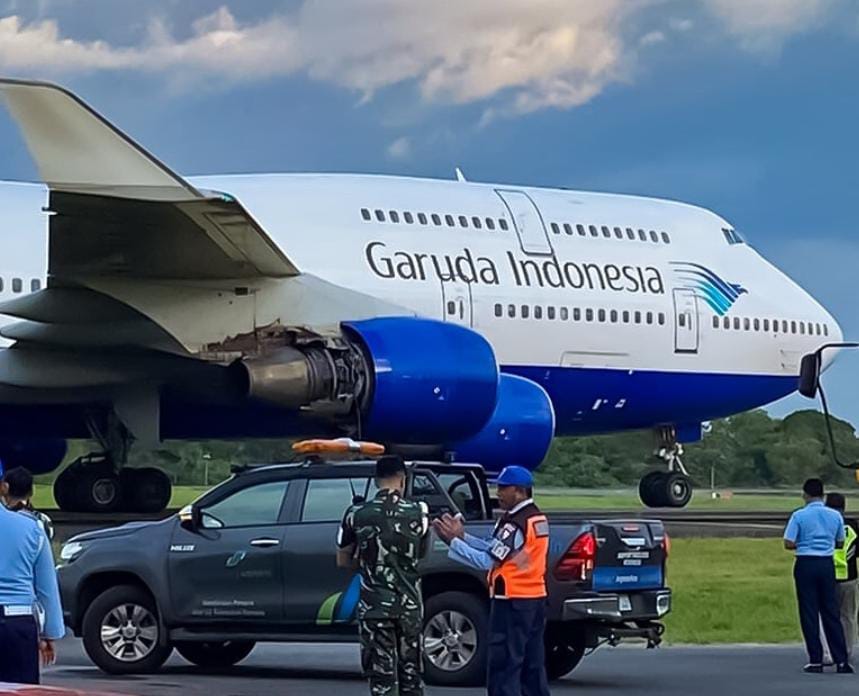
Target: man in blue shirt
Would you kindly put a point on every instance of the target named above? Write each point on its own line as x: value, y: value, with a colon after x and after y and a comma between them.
x: 27, y: 576
x: 814, y: 532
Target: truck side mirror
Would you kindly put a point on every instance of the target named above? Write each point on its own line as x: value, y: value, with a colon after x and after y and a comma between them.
x: 809, y: 375
x: 190, y: 517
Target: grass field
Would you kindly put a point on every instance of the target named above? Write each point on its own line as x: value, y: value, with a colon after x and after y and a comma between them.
x: 182, y: 495
x: 731, y: 591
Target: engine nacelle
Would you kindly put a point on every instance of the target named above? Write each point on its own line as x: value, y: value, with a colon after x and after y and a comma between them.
x: 431, y: 381
x: 37, y: 455
x: 407, y: 379
x: 520, y: 430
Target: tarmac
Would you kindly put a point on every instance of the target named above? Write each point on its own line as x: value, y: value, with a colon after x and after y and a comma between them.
x: 316, y: 670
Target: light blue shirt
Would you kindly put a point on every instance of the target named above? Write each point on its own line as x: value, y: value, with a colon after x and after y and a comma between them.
x: 27, y: 572
x: 483, y: 554
x: 815, y: 529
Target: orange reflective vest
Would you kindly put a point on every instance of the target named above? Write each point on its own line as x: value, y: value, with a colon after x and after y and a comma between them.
x: 522, y: 575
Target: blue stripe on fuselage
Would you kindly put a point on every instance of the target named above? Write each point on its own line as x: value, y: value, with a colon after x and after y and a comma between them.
x: 592, y: 400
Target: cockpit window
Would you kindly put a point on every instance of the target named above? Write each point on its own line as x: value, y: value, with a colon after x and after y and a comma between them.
x: 732, y: 236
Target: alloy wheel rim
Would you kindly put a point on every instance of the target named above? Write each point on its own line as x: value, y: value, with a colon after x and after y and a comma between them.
x: 450, y: 641
x: 129, y: 632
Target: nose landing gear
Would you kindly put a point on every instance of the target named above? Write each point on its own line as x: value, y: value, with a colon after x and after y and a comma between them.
x: 671, y: 488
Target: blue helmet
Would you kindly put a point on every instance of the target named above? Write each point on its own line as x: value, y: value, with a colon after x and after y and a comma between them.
x: 515, y: 476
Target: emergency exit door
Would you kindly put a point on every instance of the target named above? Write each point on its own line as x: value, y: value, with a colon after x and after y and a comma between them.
x: 528, y: 222
x: 457, y: 305
x: 685, y: 321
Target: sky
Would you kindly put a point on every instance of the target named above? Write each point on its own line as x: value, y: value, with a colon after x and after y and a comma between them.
x: 747, y: 107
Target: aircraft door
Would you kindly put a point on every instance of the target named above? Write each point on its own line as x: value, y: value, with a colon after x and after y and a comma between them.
x: 457, y: 306
x: 528, y: 222
x: 685, y: 321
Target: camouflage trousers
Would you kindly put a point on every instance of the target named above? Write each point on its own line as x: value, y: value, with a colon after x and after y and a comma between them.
x: 391, y: 655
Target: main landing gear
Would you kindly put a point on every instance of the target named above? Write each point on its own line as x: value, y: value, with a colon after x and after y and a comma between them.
x: 99, y: 482
x: 671, y: 488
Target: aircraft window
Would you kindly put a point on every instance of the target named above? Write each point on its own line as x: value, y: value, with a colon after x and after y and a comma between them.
x: 601, y: 315
x: 502, y: 223
x: 589, y: 315
x: 654, y: 237
x: 409, y: 218
x: 538, y: 312
x: 1, y: 285
x: 395, y: 217
x: 568, y: 228
x: 36, y: 284
x: 784, y: 326
x: 581, y: 230
x: 736, y: 323
x: 436, y: 220
x: 630, y: 233
x: 463, y: 221
x: 681, y: 319
x: 613, y: 316
x: 662, y: 319
x: 606, y: 232
x: 650, y: 317
x: 715, y: 322
x: 638, y: 317
x: 826, y: 329
x: 422, y: 218
x: 555, y: 228
x: 550, y: 312
x: 727, y: 234
x: 726, y: 322
x: 819, y: 329
x: 17, y: 285
x: 565, y: 314
x: 380, y: 215
x: 618, y: 232
x: 499, y: 310
x: 511, y: 311
x: 577, y: 314
x: 757, y: 324
x: 775, y: 325
x: 642, y: 235
x: 524, y: 311
x: 451, y: 307
x: 366, y: 214
x: 626, y: 316
x: 449, y: 220
x: 666, y: 238
x: 766, y: 324
x: 490, y: 223
x: 793, y: 327
x: 747, y: 324
x: 802, y: 328
x: 593, y: 230
x: 476, y: 222
x: 810, y: 329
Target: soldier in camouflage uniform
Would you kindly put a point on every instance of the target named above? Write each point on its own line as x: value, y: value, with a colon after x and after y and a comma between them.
x: 386, y: 537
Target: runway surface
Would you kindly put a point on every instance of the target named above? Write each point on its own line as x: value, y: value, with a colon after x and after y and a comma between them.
x: 313, y: 670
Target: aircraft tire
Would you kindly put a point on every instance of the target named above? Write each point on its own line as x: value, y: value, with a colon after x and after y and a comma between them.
x: 676, y: 489
x: 650, y: 489
x: 98, y: 489
x: 148, y: 490
x: 65, y: 490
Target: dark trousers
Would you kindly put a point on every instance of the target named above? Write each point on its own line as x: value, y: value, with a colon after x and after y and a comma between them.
x: 517, y: 659
x: 818, y: 604
x: 19, y: 650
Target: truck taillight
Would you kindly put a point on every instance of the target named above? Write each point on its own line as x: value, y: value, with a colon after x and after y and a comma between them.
x: 577, y: 563
x: 666, y: 544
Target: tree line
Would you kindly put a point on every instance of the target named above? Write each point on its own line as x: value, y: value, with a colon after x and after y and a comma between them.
x: 751, y: 450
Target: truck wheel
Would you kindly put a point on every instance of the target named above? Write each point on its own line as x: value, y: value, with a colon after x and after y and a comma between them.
x: 122, y: 634
x: 456, y: 639
x: 210, y: 655
x: 565, y: 648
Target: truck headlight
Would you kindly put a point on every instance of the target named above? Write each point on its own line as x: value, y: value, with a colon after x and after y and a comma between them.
x: 72, y: 550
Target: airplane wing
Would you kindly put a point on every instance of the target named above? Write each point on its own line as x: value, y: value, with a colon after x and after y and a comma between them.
x: 119, y: 211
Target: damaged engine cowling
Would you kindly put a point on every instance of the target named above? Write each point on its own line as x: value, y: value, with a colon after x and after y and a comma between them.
x: 403, y: 379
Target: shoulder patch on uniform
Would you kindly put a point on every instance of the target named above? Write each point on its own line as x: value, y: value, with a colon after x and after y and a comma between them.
x: 541, y: 528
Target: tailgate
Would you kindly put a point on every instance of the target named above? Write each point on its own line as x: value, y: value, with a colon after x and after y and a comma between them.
x: 630, y: 555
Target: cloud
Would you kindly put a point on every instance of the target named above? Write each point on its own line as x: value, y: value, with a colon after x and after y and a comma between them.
x: 400, y: 148
x: 765, y: 24
x: 517, y: 56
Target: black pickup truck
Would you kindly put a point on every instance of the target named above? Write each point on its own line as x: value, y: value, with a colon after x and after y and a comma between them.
x: 254, y: 560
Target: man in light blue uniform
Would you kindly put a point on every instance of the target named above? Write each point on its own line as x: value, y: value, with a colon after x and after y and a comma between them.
x: 27, y: 576
x: 814, y: 532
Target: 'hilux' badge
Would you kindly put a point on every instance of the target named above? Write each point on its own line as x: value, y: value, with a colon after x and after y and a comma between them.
x: 182, y: 548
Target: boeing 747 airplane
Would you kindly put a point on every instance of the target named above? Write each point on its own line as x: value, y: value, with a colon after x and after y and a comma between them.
x: 479, y: 319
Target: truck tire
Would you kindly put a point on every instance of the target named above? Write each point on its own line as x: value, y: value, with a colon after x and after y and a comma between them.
x: 456, y: 639
x: 211, y: 655
x: 122, y: 633
x: 565, y: 648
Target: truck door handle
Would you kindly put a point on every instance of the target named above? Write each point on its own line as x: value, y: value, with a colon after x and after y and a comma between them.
x: 265, y: 542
